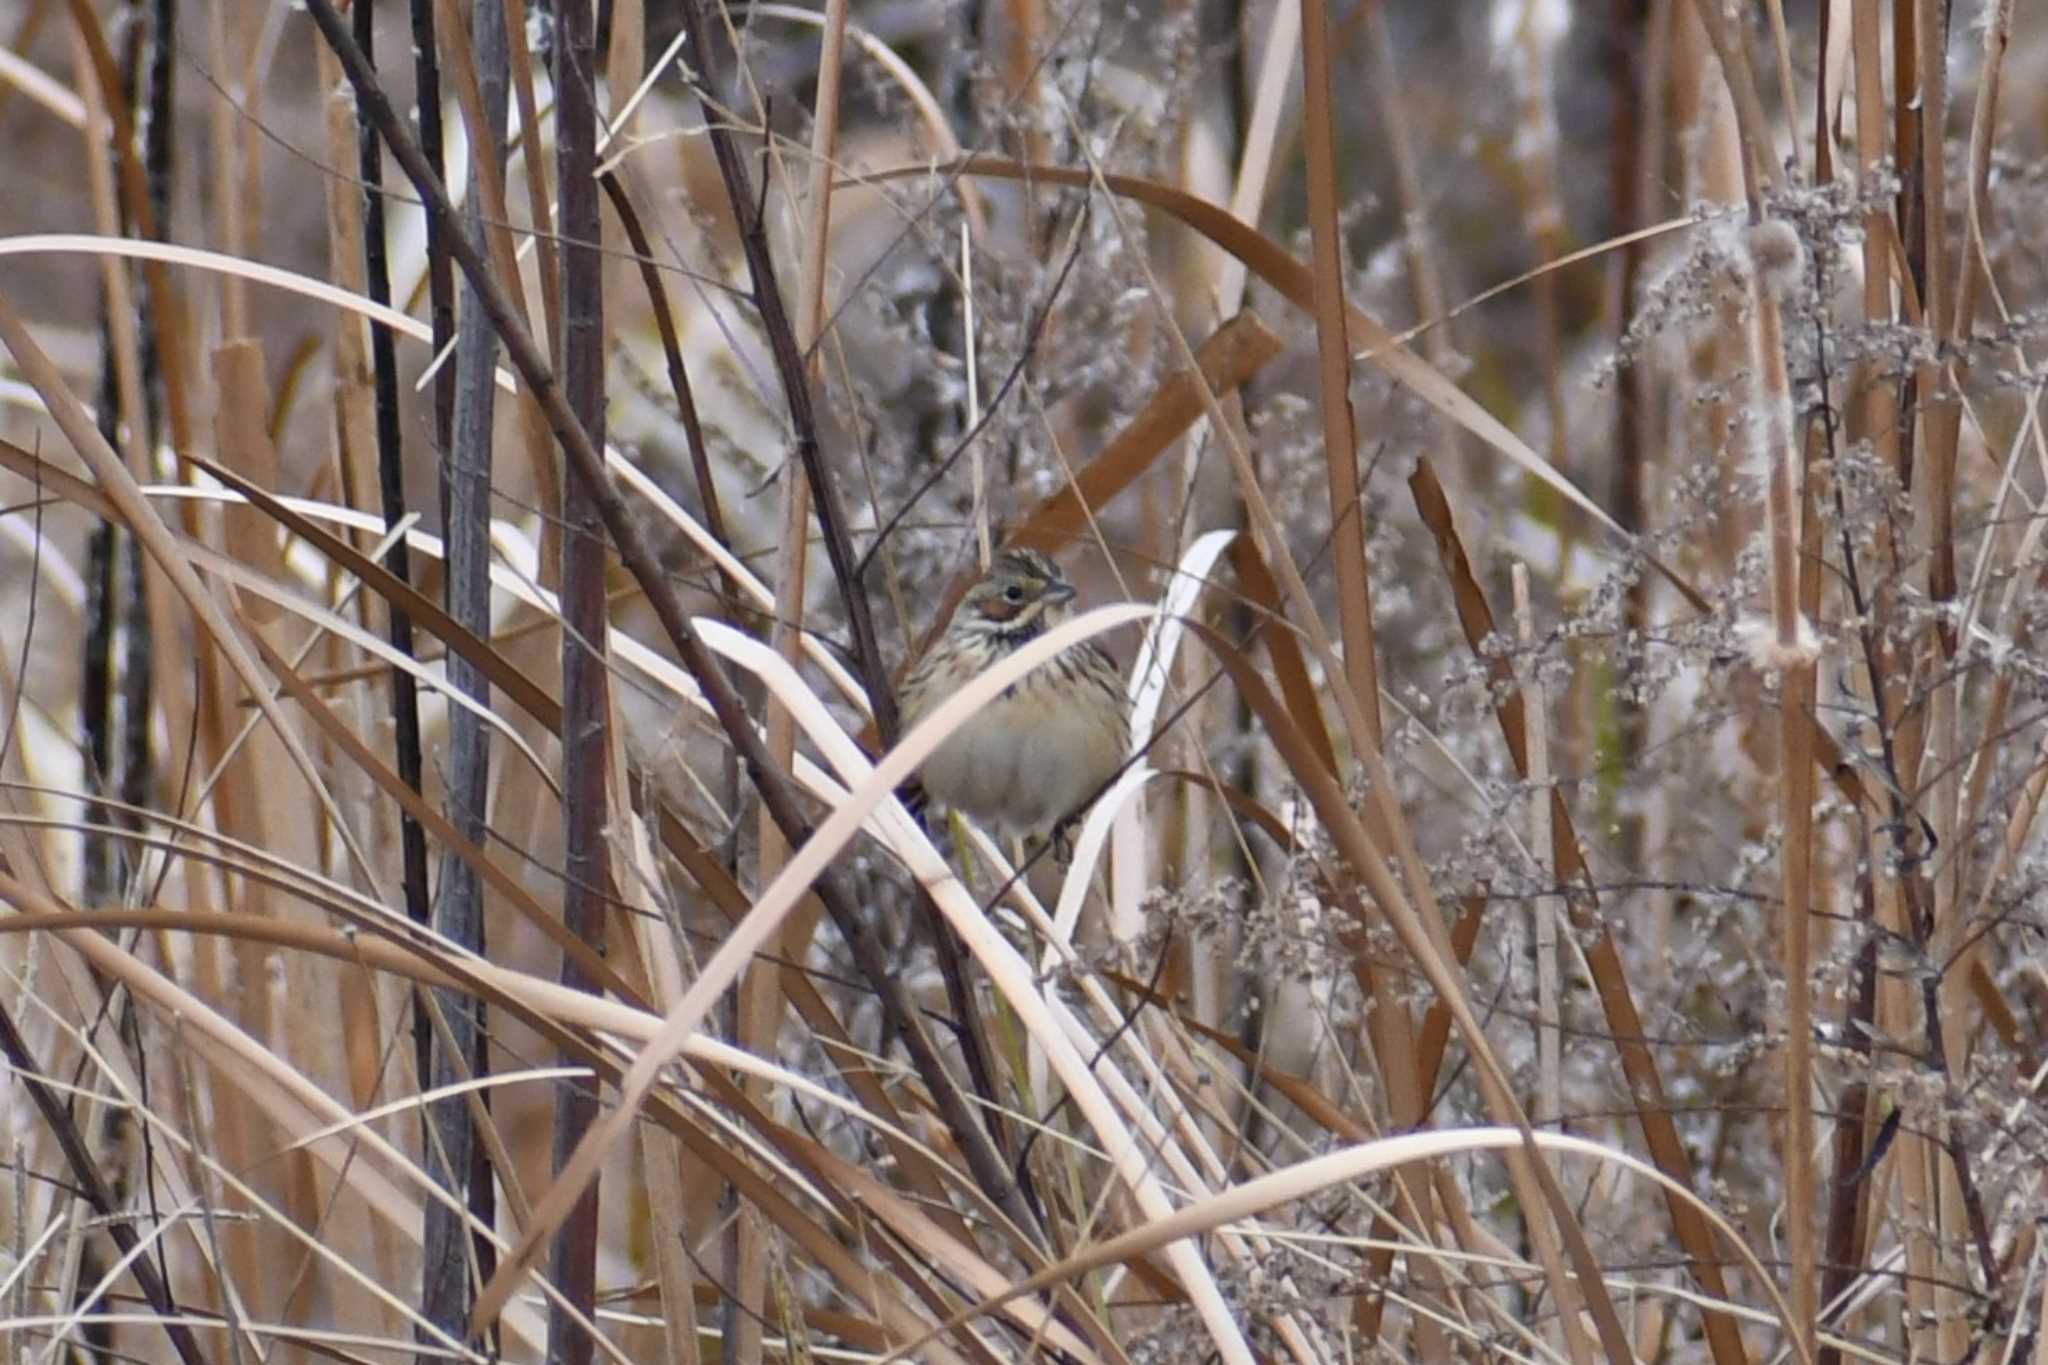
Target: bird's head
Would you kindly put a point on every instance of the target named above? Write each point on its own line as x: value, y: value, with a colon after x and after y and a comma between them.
x: 1023, y: 594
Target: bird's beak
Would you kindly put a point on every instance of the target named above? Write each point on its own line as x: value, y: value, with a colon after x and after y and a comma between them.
x: 1057, y: 592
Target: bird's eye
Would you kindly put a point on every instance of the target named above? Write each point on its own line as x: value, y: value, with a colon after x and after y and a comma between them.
x: 1013, y: 593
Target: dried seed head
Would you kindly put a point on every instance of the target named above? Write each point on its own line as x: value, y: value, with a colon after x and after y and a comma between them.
x: 1775, y: 253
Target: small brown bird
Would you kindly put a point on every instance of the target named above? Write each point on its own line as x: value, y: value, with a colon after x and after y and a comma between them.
x: 1032, y: 757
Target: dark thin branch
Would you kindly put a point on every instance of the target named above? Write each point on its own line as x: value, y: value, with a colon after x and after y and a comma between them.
x: 693, y: 437
x: 1958, y: 1151
x: 426, y: 85
x: 796, y: 387
x: 678, y: 377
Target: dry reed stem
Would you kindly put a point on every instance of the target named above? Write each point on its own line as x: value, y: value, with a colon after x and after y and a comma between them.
x: 1333, y: 369
x: 1771, y: 271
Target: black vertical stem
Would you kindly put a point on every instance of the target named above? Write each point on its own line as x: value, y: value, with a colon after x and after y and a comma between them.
x: 149, y: 86
x: 447, y: 1289
x: 116, y: 686
x: 580, y: 357
x: 426, y: 84
x: 96, y: 684
x: 405, y: 710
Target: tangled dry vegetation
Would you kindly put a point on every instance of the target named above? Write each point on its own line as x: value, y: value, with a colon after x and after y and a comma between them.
x: 1566, y: 479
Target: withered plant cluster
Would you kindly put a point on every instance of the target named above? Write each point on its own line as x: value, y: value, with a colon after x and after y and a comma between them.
x: 1563, y: 482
